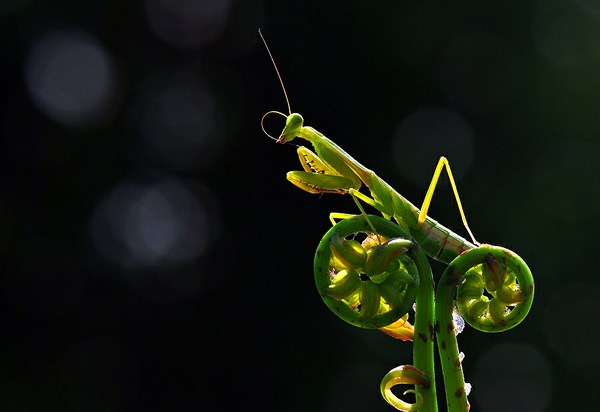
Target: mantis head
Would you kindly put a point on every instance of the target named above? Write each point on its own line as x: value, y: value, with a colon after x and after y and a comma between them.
x: 293, y: 126
x: 292, y: 129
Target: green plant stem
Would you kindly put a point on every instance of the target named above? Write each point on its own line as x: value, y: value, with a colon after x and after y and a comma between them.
x: 423, y: 356
x: 454, y: 381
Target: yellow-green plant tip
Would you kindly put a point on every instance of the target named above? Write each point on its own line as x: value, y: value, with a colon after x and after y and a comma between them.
x: 493, y: 274
x: 349, y: 252
x: 497, y: 310
x: 404, y: 374
x: 344, y: 284
x: 382, y: 256
x: 369, y: 301
x: 509, y: 296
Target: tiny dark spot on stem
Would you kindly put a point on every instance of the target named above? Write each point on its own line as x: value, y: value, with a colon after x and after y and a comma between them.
x: 459, y: 392
x: 454, y: 279
x: 450, y: 328
x: 337, y: 308
x: 443, y: 345
x: 320, y: 269
x: 319, y: 253
x: 437, y: 326
x: 422, y: 336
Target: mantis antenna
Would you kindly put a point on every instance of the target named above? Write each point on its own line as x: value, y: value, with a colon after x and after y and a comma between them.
x: 277, y: 70
x: 282, y: 86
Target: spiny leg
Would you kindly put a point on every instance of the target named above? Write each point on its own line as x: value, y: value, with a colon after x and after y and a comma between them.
x: 436, y: 175
x: 333, y: 216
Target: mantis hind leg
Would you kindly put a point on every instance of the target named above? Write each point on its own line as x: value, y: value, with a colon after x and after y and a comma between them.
x: 357, y: 196
x: 333, y: 216
x: 427, y: 202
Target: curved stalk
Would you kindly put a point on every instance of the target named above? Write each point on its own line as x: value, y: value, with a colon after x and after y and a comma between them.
x: 454, y: 381
x: 424, y: 324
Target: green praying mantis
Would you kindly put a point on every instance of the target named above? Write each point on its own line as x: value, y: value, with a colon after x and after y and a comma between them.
x: 374, y: 284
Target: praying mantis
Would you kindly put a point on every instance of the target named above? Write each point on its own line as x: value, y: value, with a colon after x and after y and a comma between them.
x: 332, y: 170
x: 373, y: 284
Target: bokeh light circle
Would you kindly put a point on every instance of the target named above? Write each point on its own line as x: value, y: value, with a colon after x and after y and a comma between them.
x: 71, y: 78
x: 187, y: 23
x: 157, y: 223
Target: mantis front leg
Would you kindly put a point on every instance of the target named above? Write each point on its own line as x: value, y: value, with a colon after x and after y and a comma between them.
x: 318, y: 177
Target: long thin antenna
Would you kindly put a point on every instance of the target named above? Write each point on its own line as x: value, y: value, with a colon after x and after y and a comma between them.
x: 278, y: 75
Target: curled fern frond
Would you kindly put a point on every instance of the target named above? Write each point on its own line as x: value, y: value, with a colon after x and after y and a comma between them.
x: 494, y: 292
x: 370, y: 284
x: 404, y: 374
x: 497, y: 291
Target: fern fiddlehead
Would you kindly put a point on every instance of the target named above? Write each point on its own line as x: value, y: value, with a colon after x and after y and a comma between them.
x: 476, y: 276
x: 375, y: 288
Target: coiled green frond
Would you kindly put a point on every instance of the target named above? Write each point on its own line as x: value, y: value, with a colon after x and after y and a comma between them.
x: 497, y: 291
x: 494, y: 292
x: 404, y: 374
x: 370, y: 284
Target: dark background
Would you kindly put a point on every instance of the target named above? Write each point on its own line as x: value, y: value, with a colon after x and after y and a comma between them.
x: 155, y: 258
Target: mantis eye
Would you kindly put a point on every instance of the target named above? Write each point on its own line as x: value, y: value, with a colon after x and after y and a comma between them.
x: 293, y: 125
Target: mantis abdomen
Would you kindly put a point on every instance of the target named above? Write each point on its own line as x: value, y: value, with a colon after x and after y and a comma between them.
x: 439, y: 242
